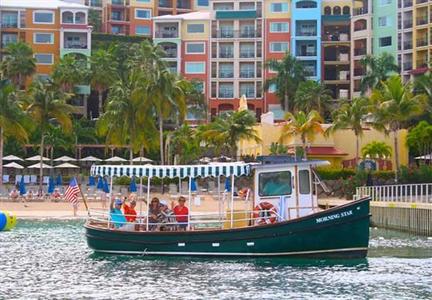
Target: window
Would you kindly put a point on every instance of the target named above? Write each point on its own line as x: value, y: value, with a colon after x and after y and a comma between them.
x: 279, y: 7
x: 385, y: 2
x: 195, y: 48
x: 279, y: 27
x: 144, y: 1
x: 42, y: 77
x: 247, y: 89
x: 385, y: 41
x: 247, y: 6
x: 142, y: 30
x: 274, y: 184
x: 142, y: 13
x: 202, y: 2
x: 226, y: 90
x: 195, y: 28
x: 43, y: 38
x: 44, y: 58
x: 272, y: 88
x: 195, y: 67
x: 279, y: 47
x: 304, y: 182
x: 384, y: 21
x: 43, y: 17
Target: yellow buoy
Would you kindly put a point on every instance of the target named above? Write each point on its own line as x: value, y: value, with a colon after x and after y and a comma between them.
x: 10, y: 221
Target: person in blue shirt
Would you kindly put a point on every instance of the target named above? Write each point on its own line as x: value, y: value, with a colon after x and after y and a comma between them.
x: 116, y: 215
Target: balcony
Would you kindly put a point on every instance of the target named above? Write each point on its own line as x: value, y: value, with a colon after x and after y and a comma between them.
x: 75, y: 40
x: 166, y: 34
x: 231, y: 34
x: 184, y: 4
x: 360, y: 11
x: 93, y: 3
x: 408, y: 45
x: 408, y: 3
x: 359, y: 51
x: 421, y: 63
x: 9, y: 19
x: 170, y: 53
x: 120, y: 2
x: 421, y: 1
x: 421, y: 42
x: 341, y: 37
x: 408, y: 24
x: 235, y: 15
x: 306, y: 52
x: 423, y: 20
x: 165, y: 4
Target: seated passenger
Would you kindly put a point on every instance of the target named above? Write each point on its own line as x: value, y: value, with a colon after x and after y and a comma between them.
x: 181, y: 212
x: 154, y: 213
x: 129, y: 210
x: 116, y: 216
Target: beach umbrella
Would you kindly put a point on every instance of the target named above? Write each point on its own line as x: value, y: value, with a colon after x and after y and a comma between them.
x: 51, y: 185
x: 115, y: 159
x: 133, y: 186
x: 91, y: 159
x: 59, y: 180
x: 22, y: 188
x: 13, y: 165
x: 100, y: 184
x: 193, y: 186
x: 66, y: 166
x: 141, y: 159
x: 105, y: 186
x: 12, y: 158
x: 37, y: 166
x: 65, y: 158
x: 37, y: 158
x: 92, y: 181
x: 228, y: 184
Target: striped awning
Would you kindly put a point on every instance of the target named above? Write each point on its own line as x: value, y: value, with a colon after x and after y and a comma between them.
x: 182, y: 171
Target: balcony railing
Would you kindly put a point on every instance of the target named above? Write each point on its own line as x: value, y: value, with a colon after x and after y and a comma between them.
x: 75, y: 45
x: 166, y: 34
x: 247, y: 74
x: 306, y: 33
x: 359, y: 51
x: 226, y: 54
x: 9, y: 24
x: 422, y: 42
x: 422, y: 20
x: 407, y: 45
x: 360, y: 11
x: 408, y: 3
x: 170, y: 53
x: 307, y: 53
x: 421, y: 1
x: 226, y: 74
x: 247, y: 54
x: 344, y: 37
x: 408, y: 23
x: 407, y: 66
x: 230, y: 34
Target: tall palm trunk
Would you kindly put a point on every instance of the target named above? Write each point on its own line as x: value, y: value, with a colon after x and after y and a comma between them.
x: 286, y: 102
x: 41, y: 153
x: 131, y: 154
x: 161, y: 140
x: 357, y: 148
x: 304, y: 147
x: 100, y: 100
x: 1, y: 156
x: 396, y: 153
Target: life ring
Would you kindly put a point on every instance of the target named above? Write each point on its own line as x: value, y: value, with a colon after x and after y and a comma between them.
x: 265, y: 213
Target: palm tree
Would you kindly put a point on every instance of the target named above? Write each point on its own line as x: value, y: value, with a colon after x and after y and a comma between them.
x: 423, y: 85
x: 47, y: 106
x: 378, y: 69
x: 227, y: 130
x: 376, y: 149
x: 69, y: 72
x: 184, y: 145
x: 18, y: 63
x: 103, y: 73
x: 312, y: 95
x: 289, y: 75
x: 350, y: 116
x: 304, y: 125
x: 127, y: 119
x: 167, y: 94
x: 392, y: 106
x: 11, y: 117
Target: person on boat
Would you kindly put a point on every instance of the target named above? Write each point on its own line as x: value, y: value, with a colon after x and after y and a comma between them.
x: 155, y: 213
x: 181, y: 212
x: 116, y: 215
x: 129, y: 210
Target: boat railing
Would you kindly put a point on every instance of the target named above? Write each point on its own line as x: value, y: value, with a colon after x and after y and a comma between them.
x: 197, y: 221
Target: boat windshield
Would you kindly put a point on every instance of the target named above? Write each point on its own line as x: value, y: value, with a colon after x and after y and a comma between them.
x: 275, y: 184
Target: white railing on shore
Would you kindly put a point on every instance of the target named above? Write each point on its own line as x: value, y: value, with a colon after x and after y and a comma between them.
x: 411, y: 193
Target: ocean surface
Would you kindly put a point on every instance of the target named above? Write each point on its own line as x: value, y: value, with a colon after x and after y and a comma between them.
x: 44, y: 259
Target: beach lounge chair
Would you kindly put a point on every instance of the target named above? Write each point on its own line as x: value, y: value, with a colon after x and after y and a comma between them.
x: 45, y: 179
x: 30, y: 179
x: 5, y: 178
x: 18, y: 179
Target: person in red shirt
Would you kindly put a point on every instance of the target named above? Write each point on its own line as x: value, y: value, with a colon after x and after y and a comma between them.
x: 129, y: 211
x: 181, y: 212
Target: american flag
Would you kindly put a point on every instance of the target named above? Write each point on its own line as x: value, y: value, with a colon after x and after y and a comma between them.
x: 72, y: 192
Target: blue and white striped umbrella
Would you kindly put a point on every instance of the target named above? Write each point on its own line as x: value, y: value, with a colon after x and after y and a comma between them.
x: 133, y: 186
x: 100, y: 184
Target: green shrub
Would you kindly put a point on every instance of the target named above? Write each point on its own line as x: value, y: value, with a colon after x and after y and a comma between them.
x: 383, y: 175
x: 327, y: 173
x: 423, y: 174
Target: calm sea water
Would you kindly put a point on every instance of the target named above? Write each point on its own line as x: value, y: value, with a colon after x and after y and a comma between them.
x: 50, y: 260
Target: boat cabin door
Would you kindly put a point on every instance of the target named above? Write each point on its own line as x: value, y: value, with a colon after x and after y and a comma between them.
x: 306, y: 201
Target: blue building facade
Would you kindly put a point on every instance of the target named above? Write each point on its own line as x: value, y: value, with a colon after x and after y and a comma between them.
x: 306, y: 35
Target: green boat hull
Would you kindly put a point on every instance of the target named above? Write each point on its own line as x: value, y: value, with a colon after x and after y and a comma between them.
x: 339, y: 232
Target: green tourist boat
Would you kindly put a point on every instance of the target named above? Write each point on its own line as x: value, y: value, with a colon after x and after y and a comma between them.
x: 285, y: 220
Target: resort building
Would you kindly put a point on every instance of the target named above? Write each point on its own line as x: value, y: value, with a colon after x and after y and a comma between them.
x: 53, y: 29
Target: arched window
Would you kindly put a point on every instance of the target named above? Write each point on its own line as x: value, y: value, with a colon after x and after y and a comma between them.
x: 336, y: 10
x: 80, y: 17
x: 327, y: 10
x: 67, y: 17
x: 346, y: 10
